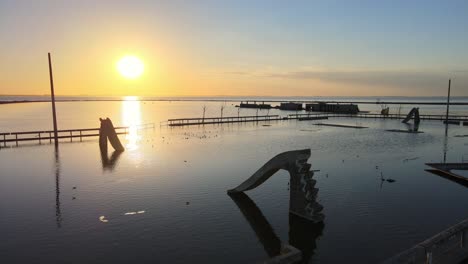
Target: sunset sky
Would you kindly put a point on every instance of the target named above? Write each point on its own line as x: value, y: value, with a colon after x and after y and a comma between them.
x: 236, y: 48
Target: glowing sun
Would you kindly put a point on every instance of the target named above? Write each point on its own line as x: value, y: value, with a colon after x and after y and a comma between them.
x: 130, y: 67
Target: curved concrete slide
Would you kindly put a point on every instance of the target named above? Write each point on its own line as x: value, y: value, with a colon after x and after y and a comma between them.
x: 302, y: 191
x: 283, y: 160
x: 107, y: 131
x: 414, y: 112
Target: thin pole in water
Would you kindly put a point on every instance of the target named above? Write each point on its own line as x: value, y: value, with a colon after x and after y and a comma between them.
x: 448, y: 107
x: 52, y: 94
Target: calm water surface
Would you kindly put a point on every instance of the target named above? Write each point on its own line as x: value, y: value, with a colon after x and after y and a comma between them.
x: 164, y: 199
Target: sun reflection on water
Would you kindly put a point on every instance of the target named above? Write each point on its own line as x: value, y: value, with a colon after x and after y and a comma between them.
x: 131, y: 117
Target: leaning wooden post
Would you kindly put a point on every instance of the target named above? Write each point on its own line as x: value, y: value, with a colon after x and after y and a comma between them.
x: 448, y: 107
x: 52, y: 94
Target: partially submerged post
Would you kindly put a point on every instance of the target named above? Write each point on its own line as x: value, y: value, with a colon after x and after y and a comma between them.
x: 413, y: 113
x: 204, y: 109
x: 107, y: 131
x: 52, y: 94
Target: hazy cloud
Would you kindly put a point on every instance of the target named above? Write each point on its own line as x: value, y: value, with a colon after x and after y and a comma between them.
x: 401, y: 79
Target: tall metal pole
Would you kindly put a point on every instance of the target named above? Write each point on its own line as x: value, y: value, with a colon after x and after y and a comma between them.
x: 448, y: 107
x: 52, y: 94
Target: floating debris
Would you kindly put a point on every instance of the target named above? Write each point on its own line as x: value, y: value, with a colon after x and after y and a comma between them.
x: 134, y: 213
x: 187, y: 203
x: 74, y: 188
x: 103, y: 219
x: 130, y: 213
x: 387, y: 180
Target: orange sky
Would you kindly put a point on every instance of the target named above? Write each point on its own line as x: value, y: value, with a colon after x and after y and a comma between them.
x: 234, y: 49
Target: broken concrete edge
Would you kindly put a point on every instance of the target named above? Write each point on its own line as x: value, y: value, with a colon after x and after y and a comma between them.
x: 288, y: 254
x: 419, y: 253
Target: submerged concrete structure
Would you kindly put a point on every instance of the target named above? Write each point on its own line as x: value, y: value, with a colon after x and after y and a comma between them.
x: 302, y: 191
x: 447, y: 247
x: 333, y: 108
x: 291, y: 106
x: 413, y: 113
x: 248, y: 104
x: 445, y: 170
x: 107, y: 131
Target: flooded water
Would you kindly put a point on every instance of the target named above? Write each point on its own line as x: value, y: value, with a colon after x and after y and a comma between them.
x: 164, y: 199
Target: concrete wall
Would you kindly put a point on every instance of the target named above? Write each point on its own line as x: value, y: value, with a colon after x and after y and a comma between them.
x: 449, y: 246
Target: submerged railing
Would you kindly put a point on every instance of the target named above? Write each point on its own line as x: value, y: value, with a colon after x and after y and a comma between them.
x: 460, y: 119
x: 449, y: 246
x: 441, y: 117
x: 220, y: 120
x: 48, y: 135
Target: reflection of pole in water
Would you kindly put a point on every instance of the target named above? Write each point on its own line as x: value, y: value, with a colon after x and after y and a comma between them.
x: 58, y: 214
x: 204, y: 110
x: 445, y: 146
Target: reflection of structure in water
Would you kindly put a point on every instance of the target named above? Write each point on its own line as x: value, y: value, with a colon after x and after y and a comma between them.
x: 58, y: 212
x: 259, y: 223
x: 107, y: 131
x: 302, y: 233
x: 109, y: 163
x: 412, y: 127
